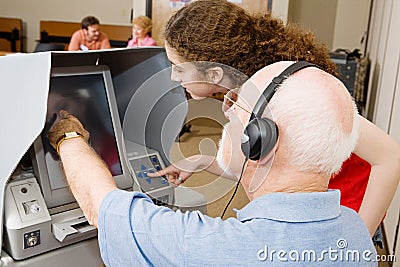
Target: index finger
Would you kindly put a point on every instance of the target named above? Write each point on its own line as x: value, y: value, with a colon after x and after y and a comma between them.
x: 156, y: 174
x: 160, y: 172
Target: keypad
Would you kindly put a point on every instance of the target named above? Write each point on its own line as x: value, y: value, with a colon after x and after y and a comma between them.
x: 144, y: 165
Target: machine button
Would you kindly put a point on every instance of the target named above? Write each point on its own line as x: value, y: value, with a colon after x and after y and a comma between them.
x: 154, y: 159
x: 31, y: 239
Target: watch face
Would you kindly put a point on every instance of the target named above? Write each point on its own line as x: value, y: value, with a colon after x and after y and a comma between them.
x: 67, y: 136
x: 71, y: 134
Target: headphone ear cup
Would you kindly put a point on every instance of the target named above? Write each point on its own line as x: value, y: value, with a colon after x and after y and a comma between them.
x: 259, y: 138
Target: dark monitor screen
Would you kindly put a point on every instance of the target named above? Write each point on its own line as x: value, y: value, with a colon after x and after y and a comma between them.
x: 87, y: 93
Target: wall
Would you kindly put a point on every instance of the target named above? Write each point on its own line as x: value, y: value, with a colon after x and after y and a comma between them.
x: 31, y: 12
x: 351, y: 24
x: 139, y: 8
x: 338, y: 23
x: 280, y: 9
x: 316, y: 15
x: 384, y: 90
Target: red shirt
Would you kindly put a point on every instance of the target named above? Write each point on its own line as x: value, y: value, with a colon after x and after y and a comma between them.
x: 352, y: 181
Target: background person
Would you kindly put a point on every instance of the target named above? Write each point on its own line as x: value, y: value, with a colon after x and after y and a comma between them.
x: 89, y: 37
x: 141, y: 28
x: 292, y: 210
x: 220, y: 31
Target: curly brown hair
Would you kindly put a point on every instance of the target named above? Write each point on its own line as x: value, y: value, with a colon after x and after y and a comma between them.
x: 219, y: 31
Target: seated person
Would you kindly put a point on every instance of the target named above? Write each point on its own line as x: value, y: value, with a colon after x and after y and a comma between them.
x: 141, y: 27
x: 292, y: 216
x: 89, y: 37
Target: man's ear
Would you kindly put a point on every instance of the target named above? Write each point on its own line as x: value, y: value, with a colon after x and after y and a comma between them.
x: 270, y: 155
x: 215, y: 75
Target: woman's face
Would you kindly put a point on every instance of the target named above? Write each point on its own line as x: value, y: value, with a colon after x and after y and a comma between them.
x: 138, y: 31
x: 194, y: 81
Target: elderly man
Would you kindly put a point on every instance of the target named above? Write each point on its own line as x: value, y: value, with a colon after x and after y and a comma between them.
x: 292, y: 217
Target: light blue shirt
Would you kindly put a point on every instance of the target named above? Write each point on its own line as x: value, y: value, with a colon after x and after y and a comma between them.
x: 276, y: 229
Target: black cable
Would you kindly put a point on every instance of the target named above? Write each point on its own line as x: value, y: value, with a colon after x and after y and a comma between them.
x: 236, y: 188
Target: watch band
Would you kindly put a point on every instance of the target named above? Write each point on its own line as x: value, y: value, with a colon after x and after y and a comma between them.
x: 66, y: 136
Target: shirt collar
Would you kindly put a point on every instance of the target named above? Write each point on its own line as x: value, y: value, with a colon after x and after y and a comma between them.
x: 293, y: 207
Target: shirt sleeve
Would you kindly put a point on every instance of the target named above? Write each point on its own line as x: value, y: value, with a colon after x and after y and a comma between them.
x: 105, y: 44
x: 135, y: 232
x: 130, y: 43
x: 75, y: 42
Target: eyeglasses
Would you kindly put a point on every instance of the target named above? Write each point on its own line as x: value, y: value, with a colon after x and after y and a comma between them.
x: 231, y: 98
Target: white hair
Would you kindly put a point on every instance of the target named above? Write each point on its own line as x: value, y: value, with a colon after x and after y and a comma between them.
x: 311, y: 126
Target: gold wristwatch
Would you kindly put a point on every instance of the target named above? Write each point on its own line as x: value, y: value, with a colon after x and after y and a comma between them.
x: 66, y: 136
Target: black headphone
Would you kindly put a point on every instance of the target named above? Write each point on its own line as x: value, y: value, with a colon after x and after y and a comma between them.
x: 261, y: 134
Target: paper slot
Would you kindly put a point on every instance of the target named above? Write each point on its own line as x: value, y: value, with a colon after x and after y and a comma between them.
x: 66, y: 230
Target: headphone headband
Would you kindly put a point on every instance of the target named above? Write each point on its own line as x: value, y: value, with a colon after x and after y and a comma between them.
x: 269, y: 92
x: 261, y: 134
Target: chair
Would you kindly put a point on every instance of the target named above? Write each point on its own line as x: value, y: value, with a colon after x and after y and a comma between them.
x: 42, y: 47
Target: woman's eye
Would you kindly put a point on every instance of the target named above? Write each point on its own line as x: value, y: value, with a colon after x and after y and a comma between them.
x: 178, y: 70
